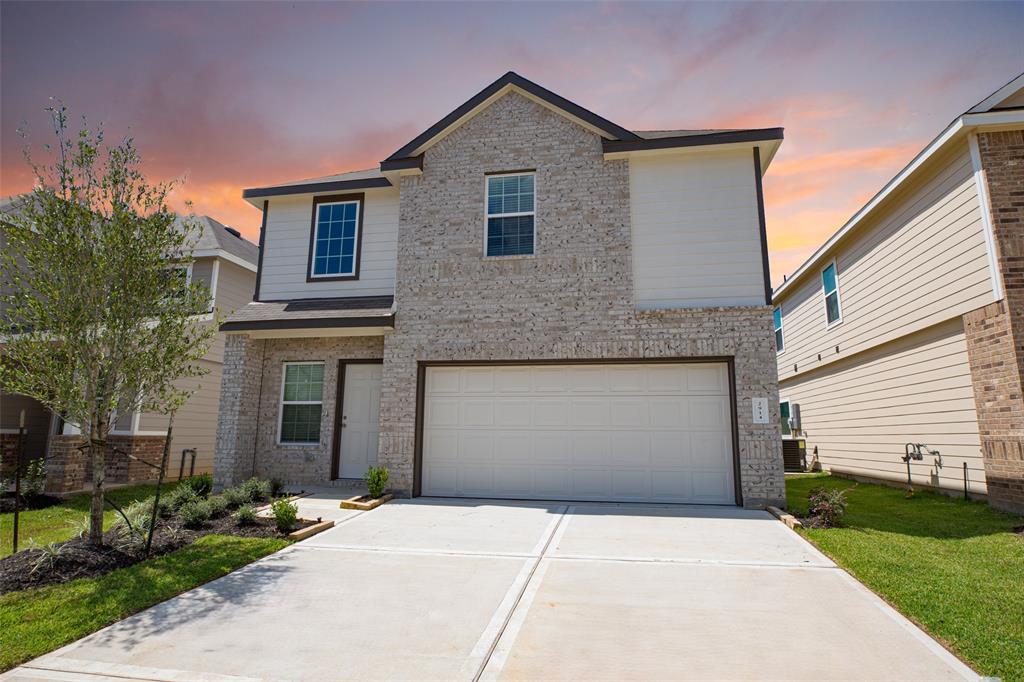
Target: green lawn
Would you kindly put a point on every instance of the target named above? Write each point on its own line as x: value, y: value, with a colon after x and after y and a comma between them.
x: 955, y: 567
x: 34, y: 622
x: 56, y: 523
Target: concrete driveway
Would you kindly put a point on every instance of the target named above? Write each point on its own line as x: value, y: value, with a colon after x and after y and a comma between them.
x: 450, y: 590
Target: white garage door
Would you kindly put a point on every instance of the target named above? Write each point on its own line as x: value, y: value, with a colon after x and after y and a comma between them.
x: 625, y: 432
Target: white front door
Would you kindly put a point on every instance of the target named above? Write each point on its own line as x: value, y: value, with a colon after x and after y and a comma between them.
x: 360, y: 419
x: 623, y: 432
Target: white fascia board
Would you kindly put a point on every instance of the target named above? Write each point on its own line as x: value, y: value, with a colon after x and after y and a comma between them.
x: 998, y: 96
x: 981, y: 186
x: 229, y: 257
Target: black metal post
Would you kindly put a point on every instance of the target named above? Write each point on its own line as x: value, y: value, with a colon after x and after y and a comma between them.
x: 17, y: 480
x: 159, y: 482
x: 966, y: 496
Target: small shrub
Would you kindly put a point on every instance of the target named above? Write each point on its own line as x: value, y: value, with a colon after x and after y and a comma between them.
x: 49, y: 554
x: 181, y: 496
x: 276, y: 487
x: 285, y: 513
x: 218, y: 505
x: 376, y: 479
x: 828, y: 505
x: 35, y: 477
x: 245, y: 515
x: 194, y: 514
x: 201, y: 484
x: 236, y: 497
x: 256, y: 490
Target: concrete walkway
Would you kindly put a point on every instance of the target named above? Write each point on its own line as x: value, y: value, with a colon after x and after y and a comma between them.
x: 467, y: 590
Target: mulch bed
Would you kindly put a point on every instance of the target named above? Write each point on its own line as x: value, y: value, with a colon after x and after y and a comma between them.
x: 78, y: 559
x: 813, y: 522
x: 27, y: 502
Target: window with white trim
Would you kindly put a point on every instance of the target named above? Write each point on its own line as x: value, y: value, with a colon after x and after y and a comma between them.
x: 510, y: 214
x: 830, y: 287
x: 779, y: 340
x: 784, y: 418
x: 302, y: 390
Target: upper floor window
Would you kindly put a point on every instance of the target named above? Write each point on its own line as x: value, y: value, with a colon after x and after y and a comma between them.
x: 510, y: 214
x: 302, y: 390
x: 830, y: 287
x: 335, y: 237
x: 779, y: 341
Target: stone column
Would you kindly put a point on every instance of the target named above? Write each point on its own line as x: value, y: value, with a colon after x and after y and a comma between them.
x: 239, y: 405
x: 995, y: 333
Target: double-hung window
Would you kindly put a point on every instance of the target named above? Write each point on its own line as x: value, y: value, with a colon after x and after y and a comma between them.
x: 302, y: 390
x: 510, y: 214
x: 779, y: 341
x: 830, y: 287
x: 334, y: 245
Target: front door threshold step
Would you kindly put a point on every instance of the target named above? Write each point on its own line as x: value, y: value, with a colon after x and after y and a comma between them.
x: 365, y: 502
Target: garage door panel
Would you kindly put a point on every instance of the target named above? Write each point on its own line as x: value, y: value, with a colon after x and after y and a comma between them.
x: 591, y: 483
x: 630, y: 432
x: 630, y: 448
x: 590, y: 448
x: 551, y: 412
x: 512, y: 412
x: 589, y: 412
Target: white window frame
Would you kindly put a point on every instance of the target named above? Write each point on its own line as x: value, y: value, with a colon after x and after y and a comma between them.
x: 355, y: 243
x: 134, y: 429
x: 488, y: 215
x: 824, y: 295
x: 781, y: 329
x: 281, y: 403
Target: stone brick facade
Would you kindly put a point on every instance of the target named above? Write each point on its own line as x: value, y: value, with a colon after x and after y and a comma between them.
x: 68, y: 468
x: 995, y: 333
x: 573, y: 300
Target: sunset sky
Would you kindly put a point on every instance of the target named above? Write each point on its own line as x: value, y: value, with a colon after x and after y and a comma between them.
x: 234, y: 95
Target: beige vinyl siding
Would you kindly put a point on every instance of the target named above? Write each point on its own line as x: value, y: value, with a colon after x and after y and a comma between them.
x: 286, y: 249
x: 696, y: 234
x: 195, y: 424
x: 861, y: 411
x: 922, y: 260
x: 202, y: 271
x: 235, y: 288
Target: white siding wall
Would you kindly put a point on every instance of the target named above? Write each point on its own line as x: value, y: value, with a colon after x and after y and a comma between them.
x: 921, y: 262
x: 860, y: 412
x: 696, y: 236
x: 286, y: 249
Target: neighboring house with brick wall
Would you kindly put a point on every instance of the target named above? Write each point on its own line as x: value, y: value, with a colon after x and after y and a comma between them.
x: 907, y: 325
x: 227, y: 264
x: 525, y: 301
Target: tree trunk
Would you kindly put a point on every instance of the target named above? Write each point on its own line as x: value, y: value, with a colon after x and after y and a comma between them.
x: 98, y: 456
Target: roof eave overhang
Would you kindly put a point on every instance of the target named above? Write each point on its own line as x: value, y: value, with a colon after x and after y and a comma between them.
x: 256, y: 195
x: 960, y: 128
x: 619, y: 148
x: 318, y: 324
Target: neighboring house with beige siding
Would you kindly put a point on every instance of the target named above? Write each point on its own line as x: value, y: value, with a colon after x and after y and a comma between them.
x: 227, y: 264
x: 907, y: 325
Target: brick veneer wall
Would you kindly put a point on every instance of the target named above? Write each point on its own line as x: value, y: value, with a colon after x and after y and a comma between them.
x: 995, y: 333
x: 572, y: 300
x: 68, y: 468
x: 237, y: 417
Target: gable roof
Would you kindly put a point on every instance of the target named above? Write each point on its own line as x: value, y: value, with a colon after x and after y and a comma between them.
x: 217, y: 236
x: 1004, y: 93
x: 508, y: 81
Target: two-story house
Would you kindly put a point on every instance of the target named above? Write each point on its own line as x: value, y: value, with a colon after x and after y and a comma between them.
x: 907, y: 325
x: 525, y: 301
x: 226, y: 263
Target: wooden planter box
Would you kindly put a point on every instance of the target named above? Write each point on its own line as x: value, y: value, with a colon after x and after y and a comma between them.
x: 365, y: 502
x: 309, y: 531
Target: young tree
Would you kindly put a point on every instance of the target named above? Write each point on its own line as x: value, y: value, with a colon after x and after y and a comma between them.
x: 100, y: 320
